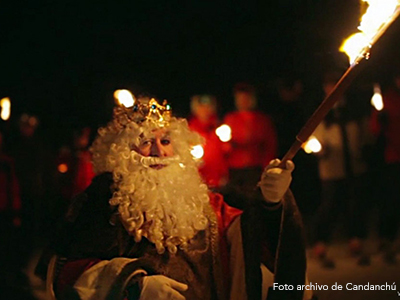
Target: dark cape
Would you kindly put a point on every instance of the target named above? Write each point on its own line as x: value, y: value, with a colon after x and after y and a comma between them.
x: 277, y: 229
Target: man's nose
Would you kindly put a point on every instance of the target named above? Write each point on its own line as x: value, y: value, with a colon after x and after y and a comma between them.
x: 157, y: 150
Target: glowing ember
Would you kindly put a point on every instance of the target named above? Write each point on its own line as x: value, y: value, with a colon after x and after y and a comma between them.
x: 312, y: 145
x: 377, y: 100
x: 378, y: 14
x: 124, y: 97
x: 197, y: 152
x: 224, y: 132
x: 5, y: 105
x: 62, y: 168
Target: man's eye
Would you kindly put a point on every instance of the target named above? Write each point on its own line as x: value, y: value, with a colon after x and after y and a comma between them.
x: 165, y: 142
x: 146, y: 143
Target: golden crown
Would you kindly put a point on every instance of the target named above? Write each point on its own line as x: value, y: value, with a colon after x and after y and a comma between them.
x: 142, y: 109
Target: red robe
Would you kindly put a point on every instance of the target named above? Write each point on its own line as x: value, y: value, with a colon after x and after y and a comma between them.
x: 254, y: 142
x: 88, y: 239
x: 225, y: 214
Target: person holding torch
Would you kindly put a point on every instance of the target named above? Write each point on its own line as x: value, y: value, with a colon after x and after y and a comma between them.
x: 149, y: 228
x: 253, y: 144
x: 204, y: 120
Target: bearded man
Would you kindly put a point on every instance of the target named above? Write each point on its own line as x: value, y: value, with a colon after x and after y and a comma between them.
x: 148, y: 227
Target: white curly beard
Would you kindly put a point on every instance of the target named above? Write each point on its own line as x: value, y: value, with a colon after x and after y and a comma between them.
x: 165, y: 205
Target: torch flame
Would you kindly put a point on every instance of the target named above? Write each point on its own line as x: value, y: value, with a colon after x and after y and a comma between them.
x: 224, y: 132
x: 197, y: 152
x: 5, y: 105
x: 312, y: 145
x: 124, y: 97
x: 378, y: 13
x: 377, y: 100
x: 354, y: 45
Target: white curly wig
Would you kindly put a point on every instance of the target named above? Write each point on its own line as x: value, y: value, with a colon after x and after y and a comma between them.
x: 167, y: 205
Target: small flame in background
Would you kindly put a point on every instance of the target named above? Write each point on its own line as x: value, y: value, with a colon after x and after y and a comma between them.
x: 312, y: 145
x: 124, y: 97
x: 224, y: 132
x: 5, y: 105
x: 62, y: 168
x: 377, y: 100
x: 197, y: 152
x: 378, y: 13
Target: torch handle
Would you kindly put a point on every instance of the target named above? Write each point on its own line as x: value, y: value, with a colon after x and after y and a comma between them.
x: 290, y: 154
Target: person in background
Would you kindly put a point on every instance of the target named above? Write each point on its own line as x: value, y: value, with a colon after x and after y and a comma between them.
x: 13, y: 281
x: 75, y: 170
x: 343, y: 174
x: 385, y: 125
x: 289, y: 112
x: 204, y: 120
x: 34, y: 170
x: 84, y: 170
x: 10, y: 201
x: 254, y: 142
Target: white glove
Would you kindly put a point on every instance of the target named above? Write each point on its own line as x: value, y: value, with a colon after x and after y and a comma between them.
x: 275, y: 181
x: 159, y: 287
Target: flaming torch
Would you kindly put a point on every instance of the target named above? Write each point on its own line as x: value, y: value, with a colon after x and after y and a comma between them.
x: 378, y: 17
x: 5, y: 105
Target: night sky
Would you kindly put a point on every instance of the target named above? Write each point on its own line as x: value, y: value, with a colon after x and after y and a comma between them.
x: 62, y: 60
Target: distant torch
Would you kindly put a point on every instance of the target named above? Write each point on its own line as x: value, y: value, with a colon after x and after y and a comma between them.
x: 312, y: 145
x: 197, y: 152
x: 5, y: 105
x: 124, y: 98
x: 377, y: 100
x: 224, y: 132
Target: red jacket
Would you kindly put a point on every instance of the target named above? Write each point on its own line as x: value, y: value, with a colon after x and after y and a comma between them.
x: 79, y: 173
x: 9, y: 187
x: 84, y: 172
x: 254, y: 142
x: 214, y: 169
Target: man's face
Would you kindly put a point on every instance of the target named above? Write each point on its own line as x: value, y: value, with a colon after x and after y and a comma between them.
x: 397, y: 81
x: 244, y: 101
x: 204, y: 111
x: 154, y: 161
x: 328, y: 87
x: 158, y: 144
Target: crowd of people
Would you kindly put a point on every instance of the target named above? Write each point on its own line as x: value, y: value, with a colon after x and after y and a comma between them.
x: 355, y: 172
x: 135, y: 204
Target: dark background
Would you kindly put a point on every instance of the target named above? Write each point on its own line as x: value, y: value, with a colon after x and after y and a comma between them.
x: 62, y: 60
